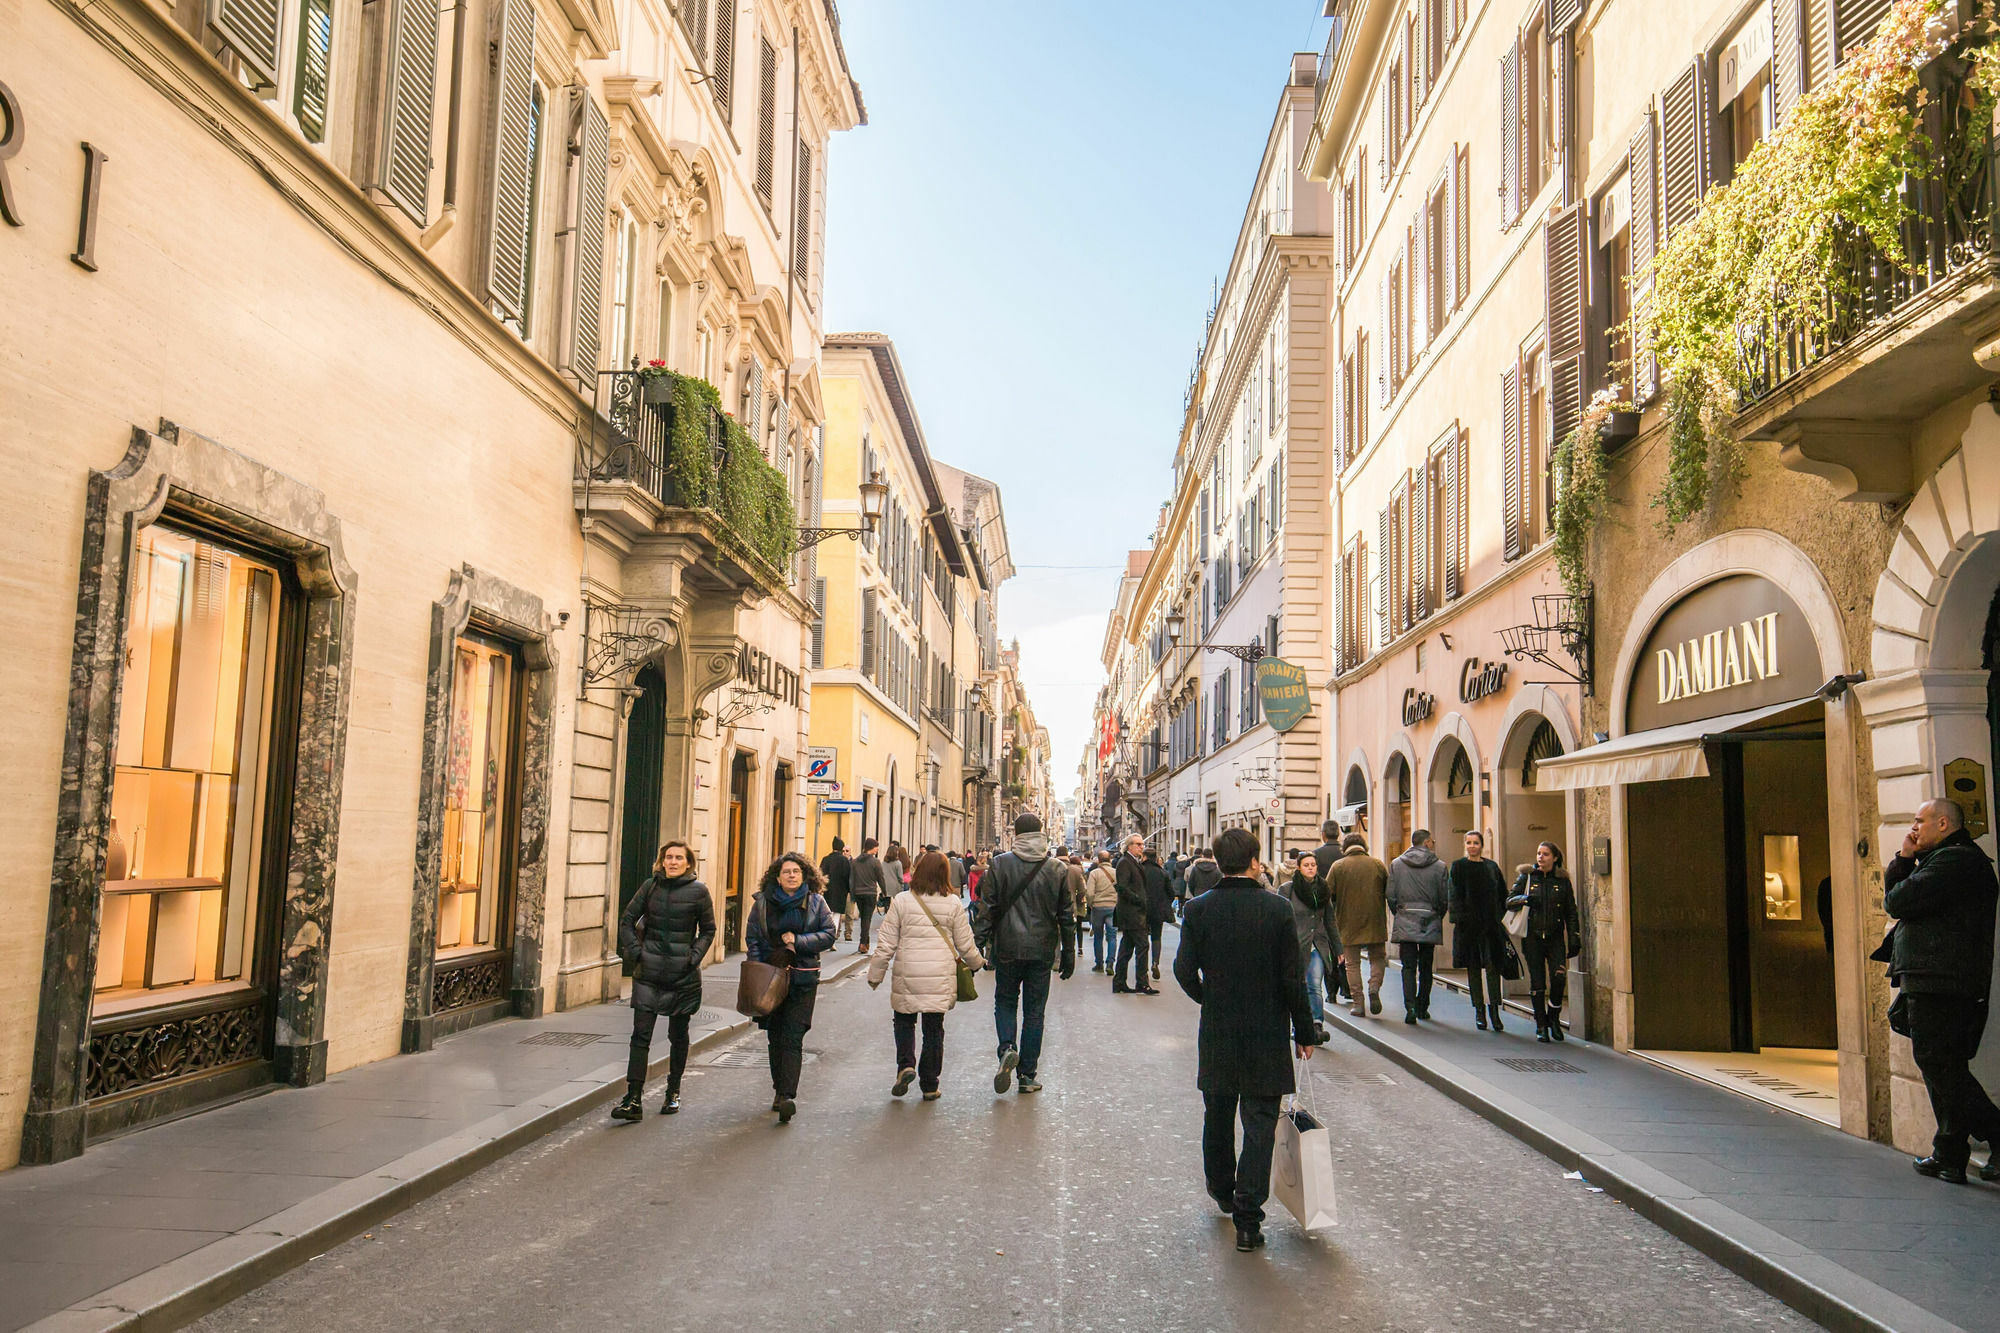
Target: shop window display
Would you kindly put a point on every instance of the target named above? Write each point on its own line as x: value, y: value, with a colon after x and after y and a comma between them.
x: 478, y: 784
x: 1782, y: 901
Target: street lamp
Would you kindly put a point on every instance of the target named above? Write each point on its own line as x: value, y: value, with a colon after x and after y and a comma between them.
x: 1175, y: 624
x: 874, y: 494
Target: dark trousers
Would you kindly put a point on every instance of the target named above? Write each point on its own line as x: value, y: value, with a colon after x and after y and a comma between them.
x: 932, y: 1064
x: 1157, y: 928
x: 1546, y: 963
x: 1243, y: 1178
x: 1417, y: 971
x: 1132, y: 944
x: 646, y: 1005
x: 1483, y: 977
x: 864, y: 907
x: 1022, y: 987
x: 787, y: 1026
x: 1944, y: 1036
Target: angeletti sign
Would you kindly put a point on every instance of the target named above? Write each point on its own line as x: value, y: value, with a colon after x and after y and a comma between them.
x: 1732, y: 645
x: 1282, y: 691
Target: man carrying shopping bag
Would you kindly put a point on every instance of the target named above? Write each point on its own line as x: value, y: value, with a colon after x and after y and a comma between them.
x: 1239, y: 960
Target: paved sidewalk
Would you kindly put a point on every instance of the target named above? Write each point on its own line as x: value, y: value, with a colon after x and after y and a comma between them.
x: 164, y: 1224
x: 1839, y: 1228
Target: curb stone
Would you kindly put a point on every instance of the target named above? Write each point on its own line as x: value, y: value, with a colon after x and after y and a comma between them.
x: 1810, y: 1283
x: 181, y: 1291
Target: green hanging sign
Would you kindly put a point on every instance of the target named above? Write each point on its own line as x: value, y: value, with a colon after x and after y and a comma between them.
x: 1281, y: 689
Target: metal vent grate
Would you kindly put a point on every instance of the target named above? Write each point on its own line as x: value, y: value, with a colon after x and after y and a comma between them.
x: 561, y: 1039
x: 750, y: 1056
x: 1529, y: 1066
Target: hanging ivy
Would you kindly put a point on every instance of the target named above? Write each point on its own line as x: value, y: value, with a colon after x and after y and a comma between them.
x: 752, y: 498
x: 1582, y: 490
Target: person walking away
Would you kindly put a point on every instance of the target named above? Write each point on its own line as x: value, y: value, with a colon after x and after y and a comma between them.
x: 867, y: 883
x: 925, y: 935
x: 1239, y: 959
x: 1328, y: 854
x: 974, y: 875
x: 1419, y: 898
x: 895, y: 873
x: 1159, y: 904
x: 1319, y: 936
x: 1130, y: 919
x: 1100, y: 895
x: 663, y: 935
x: 1079, y: 898
x: 1202, y: 873
x: 1177, y: 875
x: 1479, y: 933
x: 957, y: 868
x: 838, y: 872
x: 1940, y: 889
x: 1024, y: 929
x: 789, y: 922
x: 1553, y: 937
x: 1361, y: 909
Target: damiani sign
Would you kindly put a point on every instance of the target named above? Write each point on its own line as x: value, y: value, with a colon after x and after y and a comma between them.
x: 1739, y: 654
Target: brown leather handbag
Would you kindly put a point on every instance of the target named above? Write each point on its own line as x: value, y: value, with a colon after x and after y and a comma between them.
x: 762, y: 987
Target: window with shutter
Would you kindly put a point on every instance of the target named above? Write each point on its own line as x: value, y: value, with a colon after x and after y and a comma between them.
x: 722, y: 72
x: 1386, y: 111
x: 403, y: 156
x: 1382, y: 387
x: 1421, y: 70
x: 1819, y: 49
x: 1510, y: 137
x: 1563, y: 14
x: 1420, y: 544
x: 1359, y: 435
x: 315, y: 67
x: 767, y: 118
x: 1343, y: 568
x: 512, y: 165
x: 1566, y: 242
x: 1562, y: 112
x: 1788, y: 55
x: 1450, y: 460
x: 250, y: 29
x: 1510, y: 461
x: 802, y: 230
x: 1683, y: 149
x: 1856, y: 21
x: 1461, y: 213
x: 1639, y: 174
x: 1384, y: 547
x: 819, y: 623
x: 1397, y: 556
x: 590, y: 146
x: 869, y: 615
x: 1343, y: 369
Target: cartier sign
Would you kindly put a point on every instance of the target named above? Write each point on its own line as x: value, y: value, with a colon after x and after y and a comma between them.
x: 1417, y: 706
x: 1732, y: 645
x: 1478, y: 680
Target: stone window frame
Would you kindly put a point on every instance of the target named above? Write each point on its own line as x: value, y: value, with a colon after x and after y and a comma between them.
x: 175, y: 471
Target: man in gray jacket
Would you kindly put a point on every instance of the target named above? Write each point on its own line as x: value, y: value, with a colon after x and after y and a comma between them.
x: 1419, y: 893
x: 867, y: 882
x: 1026, y: 927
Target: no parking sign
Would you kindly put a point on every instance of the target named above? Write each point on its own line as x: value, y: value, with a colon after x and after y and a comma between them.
x: 822, y: 775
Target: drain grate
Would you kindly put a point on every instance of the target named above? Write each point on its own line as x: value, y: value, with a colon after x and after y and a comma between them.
x: 562, y: 1039
x: 707, y: 1018
x: 1529, y: 1066
x: 754, y: 1056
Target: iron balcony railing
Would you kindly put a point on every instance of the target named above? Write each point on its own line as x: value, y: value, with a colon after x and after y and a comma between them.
x: 630, y: 438
x: 1950, y: 228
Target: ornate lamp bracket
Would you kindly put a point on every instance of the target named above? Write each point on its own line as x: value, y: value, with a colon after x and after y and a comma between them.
x: 618, y: 636
x: 1249, y: 652
x: 1562, y: 621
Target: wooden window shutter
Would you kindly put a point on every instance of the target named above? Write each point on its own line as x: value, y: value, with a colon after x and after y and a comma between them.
x: 1359, y: 435
x: 753, y: 409
x: 869, y: 615
x: 404, y: 154
x: 1421, y: 73
x: 590, y: 144
x: 1340, y: 373
x: 802, y: 231
x: 250, y: 29
x: 722, y: 78
x: 1420, y: 543
x: 819, y: 623
x: 1448, y: 11
x: 1566, y: 246
x: 1562, y: 111
x: 1423, y: 296
x: 1788, y: 54
x: 1447, y: 297
x: 315, y: 68
x: 1461, y: 212
x: 512, y: 167
x: 1510, y: 136
x: 1453, y: 518
x: 1684, y: 121
x: 1407, y: 91
x: 1388, y: 139
x: 1819, y: 54
x: 767, y: 117
x: 1382, y: 388
x: 1341, y: 569
x: 1855, y: 22
x: 1640, y: 174
x: 1562, y: 15
x: 781, y: 435
x: 1512, y: 446
x: 1383, y: 548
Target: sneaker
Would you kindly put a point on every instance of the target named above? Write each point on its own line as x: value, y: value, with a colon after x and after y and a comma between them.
x: 1936, y: 1170
x: 904, y: 1078
x: 629, y: 1109
x: 1004, y: 1079
x: 1374, y: 1003
x: 933, y: 1095
x: 787, y: 1108
x: 1027, y: 1085
x: 1249, y: 1238
x: 672, y: 1104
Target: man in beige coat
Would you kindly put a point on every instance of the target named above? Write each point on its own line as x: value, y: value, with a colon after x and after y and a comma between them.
x: 1100, y: 898
x: 1360, y: 885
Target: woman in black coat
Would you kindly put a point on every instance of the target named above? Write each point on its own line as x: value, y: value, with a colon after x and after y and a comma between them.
x: 663, y: 934
x: 1479, y: 934
x: 790, y: 922
x: 1553, y: 936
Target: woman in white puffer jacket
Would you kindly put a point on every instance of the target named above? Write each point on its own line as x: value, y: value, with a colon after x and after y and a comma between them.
x: 926, y: 935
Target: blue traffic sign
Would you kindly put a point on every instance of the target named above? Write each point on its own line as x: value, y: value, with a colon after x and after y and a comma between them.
x: 833, y: 807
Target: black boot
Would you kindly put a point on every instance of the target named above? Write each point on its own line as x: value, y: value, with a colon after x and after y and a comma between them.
x: 673, y: 1102
x: 1493, y: 1015
x: 1556, y: 1021
x: 1541, y: 1018
x: 629, y: 1109
x: 1479, y: 1017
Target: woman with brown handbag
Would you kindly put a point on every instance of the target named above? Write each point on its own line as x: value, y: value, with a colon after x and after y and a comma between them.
x: 927, y: 936
x: 790, y: 926
x: 663, y: 935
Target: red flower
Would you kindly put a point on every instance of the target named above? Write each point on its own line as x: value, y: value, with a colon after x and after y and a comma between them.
x: 657, y: 365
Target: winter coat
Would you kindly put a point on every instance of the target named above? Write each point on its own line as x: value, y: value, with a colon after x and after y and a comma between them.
x: 1100, y: 888
x: 1177, y: 876
x: 1240, y: 961
x: 865, y: 878
x: 895, y: 877
x: 806, y: 916
x: 1131, y: 913
x: 1360, y: 900
x: 1312, y: 914
x: 1419, y: 895
x: 1079, y: 900
x: 839, y: 872
x: 1202, y: 876
x: 957, y: 868
x: 926, y: 978
x: 1943, y: 902
x: 1024, y: 914
x: 664, y: 933
x: 1159, y: 895
x: 1478, y: 902
x: 1551, y: 904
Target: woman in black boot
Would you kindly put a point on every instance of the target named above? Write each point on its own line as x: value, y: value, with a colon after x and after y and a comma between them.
x: 663, y: 934
x: 790, y: 922
x: 1553, y: 937
x: 1479, y: 935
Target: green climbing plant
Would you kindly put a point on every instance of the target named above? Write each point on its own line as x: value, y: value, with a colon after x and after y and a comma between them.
x: 752, y: 498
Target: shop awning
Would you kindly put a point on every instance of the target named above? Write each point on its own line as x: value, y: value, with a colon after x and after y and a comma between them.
x: 1346, y: 814
x: 1664, y: 753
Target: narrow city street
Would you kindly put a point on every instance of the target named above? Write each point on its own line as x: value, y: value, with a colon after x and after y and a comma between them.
x: 1080, y: 1208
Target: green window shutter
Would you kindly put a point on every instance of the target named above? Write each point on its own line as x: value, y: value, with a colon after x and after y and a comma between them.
x: 767, y: 117
x: 512, y: 166
x: 590, y: 143
x: 404, y: 155
x: 250, y: 29
x: 315, y: 65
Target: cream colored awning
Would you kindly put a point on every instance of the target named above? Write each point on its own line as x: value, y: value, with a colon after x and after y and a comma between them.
x: 1662, y: 754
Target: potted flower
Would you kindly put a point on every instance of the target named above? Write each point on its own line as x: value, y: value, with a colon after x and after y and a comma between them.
x: 657, y: 384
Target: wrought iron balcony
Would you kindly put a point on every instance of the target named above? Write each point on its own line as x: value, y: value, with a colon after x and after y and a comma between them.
x: 633, y: 442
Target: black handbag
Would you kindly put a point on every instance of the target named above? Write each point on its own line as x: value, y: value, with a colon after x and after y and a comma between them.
x: 1509, y: 961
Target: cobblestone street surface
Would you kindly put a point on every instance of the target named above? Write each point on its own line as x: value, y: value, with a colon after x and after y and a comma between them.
x: 1080, y: 1208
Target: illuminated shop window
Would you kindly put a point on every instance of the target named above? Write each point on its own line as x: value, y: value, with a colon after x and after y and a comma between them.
x: 478, y: 785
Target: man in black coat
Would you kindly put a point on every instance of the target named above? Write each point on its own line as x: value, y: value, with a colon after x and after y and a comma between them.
x: 1240, y: 961
x: 1129, y: 917
x: 838, y: 872
x: 1941, y: 891
x: 1159, y: 903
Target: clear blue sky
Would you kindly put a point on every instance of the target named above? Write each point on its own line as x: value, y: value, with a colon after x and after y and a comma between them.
x: 1035, y: 213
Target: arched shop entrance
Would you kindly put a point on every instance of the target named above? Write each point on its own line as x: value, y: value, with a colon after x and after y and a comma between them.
x: 1528, y: 814
x: 1353, y: 811
x: 1397, y: 781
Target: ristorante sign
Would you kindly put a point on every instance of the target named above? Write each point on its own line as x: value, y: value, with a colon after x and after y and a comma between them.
x: 1731, y: 645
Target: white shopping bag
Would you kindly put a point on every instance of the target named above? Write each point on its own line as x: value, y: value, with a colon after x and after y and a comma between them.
x: 1302, y: 1169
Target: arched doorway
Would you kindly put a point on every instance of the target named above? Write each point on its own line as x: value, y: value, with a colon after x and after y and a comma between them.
x: 1397, y: 781
x: 1453, y: 808
x: 645, y: 755
x: 735, y: 864
x: 1528, y: 813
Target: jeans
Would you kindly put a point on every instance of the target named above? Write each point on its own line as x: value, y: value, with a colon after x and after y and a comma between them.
x: 1416, y: 960
x: 1024, y: 986
x: 1547, y: 966
x: 1316, y: 984
x: 646, y: 1005
x: 1244, y: 1179
x: 864, y: 908
x: 932, y: 1064
x: 1103, y: 937
x: 1133, y: 945
x: 787, y: 1026
x: 1157, y: 929
x: 1378, y: 963
x: 1944, y: 1036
